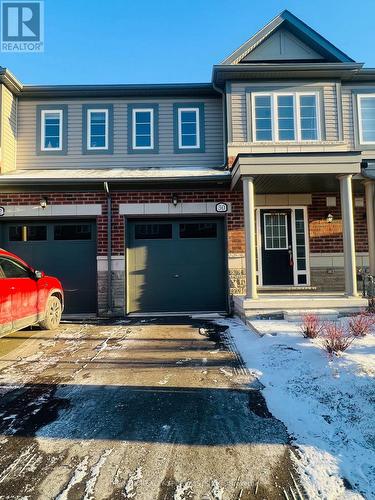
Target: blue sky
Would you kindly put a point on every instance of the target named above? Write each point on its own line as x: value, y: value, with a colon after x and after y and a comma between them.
x: 163, y: 41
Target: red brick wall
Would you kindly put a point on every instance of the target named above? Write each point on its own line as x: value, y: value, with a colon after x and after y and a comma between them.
x: 235, y: 219
x: 327, y: 237
x: 324, y: 237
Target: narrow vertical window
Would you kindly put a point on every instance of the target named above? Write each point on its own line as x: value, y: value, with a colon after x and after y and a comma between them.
x: 308, y: 117
x: 263, y: 118
x: 51, y: 130
x: 143, y: 128
x: 97, y: 129
x: 366, y: 115
x: 188, y: 128
x: 285, y: 118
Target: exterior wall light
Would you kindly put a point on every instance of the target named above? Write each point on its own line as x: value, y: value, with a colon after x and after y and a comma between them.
x: 43, y: 202
x: 329, y: 218
x: 175, y: 200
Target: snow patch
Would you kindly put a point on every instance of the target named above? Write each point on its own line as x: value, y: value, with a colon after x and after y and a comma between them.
x: 326, y: 405
x: 183, y: 491
x: 76, y: 478
x: 132, y: 483
x: 95, y: 471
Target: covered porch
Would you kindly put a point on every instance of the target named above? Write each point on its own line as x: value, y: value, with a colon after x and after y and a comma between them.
x: 279, y: 194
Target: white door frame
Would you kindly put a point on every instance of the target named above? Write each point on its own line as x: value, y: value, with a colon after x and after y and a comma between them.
x: 294, y: 246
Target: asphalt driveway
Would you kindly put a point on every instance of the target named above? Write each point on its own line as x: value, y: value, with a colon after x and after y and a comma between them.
x: 148, y: 409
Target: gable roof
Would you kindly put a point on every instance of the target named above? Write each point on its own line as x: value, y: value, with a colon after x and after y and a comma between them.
x: 304, y: 43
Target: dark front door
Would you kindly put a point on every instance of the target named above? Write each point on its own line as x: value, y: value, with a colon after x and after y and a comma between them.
x: 65, y: 249
x: 176, y: 265
x: 277, y: 258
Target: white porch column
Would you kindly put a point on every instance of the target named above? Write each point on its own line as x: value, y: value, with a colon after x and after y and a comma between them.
x: 346, y: 197
x: 250, y: 234
x: 370, y: 216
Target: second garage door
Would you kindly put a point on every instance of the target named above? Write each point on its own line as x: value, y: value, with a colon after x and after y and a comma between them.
x: 176, y: 265
x: 65, y: 249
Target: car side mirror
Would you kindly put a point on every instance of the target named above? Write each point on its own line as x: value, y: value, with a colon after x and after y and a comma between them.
x: 39, y: 274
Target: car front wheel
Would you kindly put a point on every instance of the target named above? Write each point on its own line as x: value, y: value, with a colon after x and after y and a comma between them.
x: 53, y: 314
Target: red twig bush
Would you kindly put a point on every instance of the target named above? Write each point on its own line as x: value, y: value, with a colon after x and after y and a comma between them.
x: 361, y: 324
x: 334, y: 338
x: 311, y: 326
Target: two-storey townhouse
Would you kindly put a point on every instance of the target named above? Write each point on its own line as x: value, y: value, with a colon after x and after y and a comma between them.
x: 254, y: 190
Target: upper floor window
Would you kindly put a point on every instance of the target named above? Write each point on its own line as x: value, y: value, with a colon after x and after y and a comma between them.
x: 51, y: 129
x: 143, y: 128
x: 97, y: 130
x: 279, y: 117
x: 189, y: 127
x: 51, y: 133
x: 366, y: 118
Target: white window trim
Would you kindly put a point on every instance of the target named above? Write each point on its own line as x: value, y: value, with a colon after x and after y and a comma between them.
x: 88, y: 129
x: 44, y: 113
x: 197, y: 135
x: 286, y: 231
x: 297, y: 116
x: 134, y: 114
x: 359, y: 107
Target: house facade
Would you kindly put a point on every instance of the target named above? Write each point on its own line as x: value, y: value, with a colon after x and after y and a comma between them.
x: 253, y: 192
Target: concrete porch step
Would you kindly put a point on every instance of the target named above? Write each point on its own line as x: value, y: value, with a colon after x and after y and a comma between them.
x: 323, y: 314
x: 307, y: 302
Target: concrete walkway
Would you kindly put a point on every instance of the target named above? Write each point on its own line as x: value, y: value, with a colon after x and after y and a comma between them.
x: 146, y: 409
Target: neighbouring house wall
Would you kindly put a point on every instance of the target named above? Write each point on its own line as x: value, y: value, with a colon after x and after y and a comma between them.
x: 8, y: 130
x: 27, y: 156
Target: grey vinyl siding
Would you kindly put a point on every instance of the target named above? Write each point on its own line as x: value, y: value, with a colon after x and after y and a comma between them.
x: 27, y: 157
x: 348, y: 118
x: 240, y: 126
x: 8, y: 130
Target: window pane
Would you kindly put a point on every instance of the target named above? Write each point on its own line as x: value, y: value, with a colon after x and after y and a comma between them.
x: 302, y: 279
x: 153, y: 231
x: 143, y: 141
x: 188, y: 116
x: 27, y: 233
x: 97, y: 141
x: 198, y: 230
x: 276, y: 231
x: 13, y: 270
x: 263, y: 122
x: 52, y: 127
x: 368, y: 118
x: 72, y: 232
x: 308, y: 113
x: 285, y: 110
x: 97, y: 129
x: 189, y: 140
x: 189, y: 128
x: 143, y: 129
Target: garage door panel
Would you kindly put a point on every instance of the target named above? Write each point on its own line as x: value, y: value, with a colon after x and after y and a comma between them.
x: 72, y: 261
x: 182, y: 271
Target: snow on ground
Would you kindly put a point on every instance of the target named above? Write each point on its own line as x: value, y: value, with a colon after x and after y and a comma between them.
x: 328, y: 405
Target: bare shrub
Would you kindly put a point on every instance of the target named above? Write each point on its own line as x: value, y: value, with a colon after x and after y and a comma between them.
x: 361, y: 324
x: 311, y: 326
x: 334, y: 338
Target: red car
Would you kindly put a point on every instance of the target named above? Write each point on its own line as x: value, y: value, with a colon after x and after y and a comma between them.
x: 27, y: 296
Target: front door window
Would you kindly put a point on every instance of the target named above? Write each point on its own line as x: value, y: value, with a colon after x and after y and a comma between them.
x: 276, y: 237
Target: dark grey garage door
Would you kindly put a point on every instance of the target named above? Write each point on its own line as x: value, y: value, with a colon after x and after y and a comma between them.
x: 65, y: 249
x: 176, y: 265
